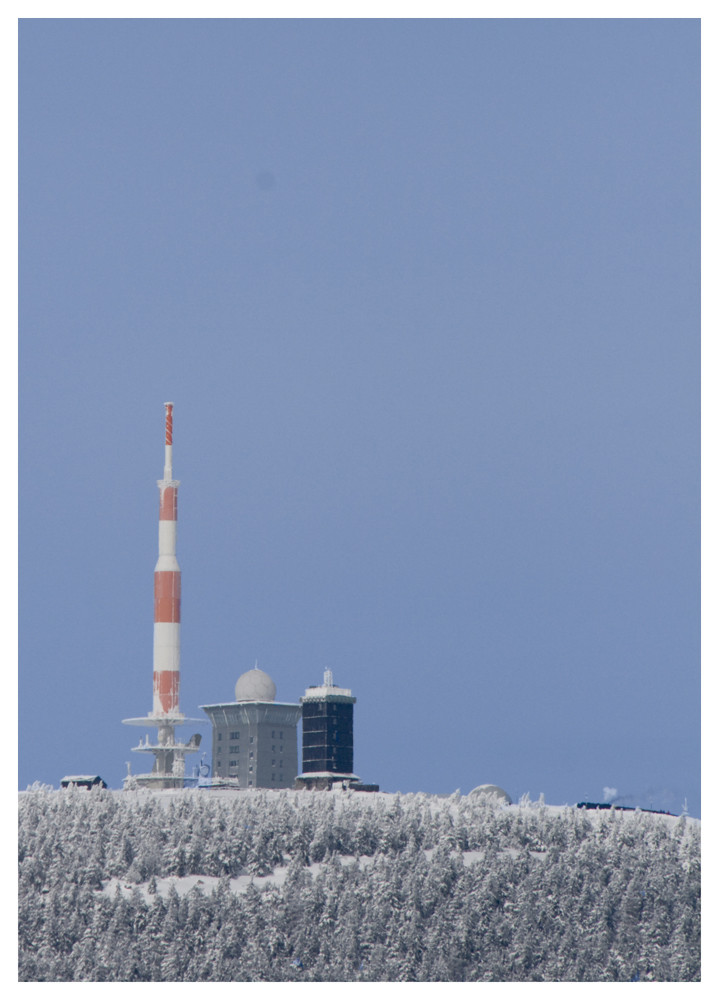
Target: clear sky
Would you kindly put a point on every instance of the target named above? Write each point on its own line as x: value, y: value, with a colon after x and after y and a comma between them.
x: 425, y: 294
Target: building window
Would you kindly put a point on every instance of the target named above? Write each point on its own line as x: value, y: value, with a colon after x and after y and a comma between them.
x: 249, y: 782
x: 273, y: 748
x: 280, y: 734
x: 234, y: 749
x: 219, y: 736
x: 252, y: 755
x: 233, y: 763
x: 234, y: 736
x: 252, y: 739
x: 250, y: 768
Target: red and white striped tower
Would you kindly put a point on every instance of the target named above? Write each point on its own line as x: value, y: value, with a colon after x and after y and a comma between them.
x: 166, y: 649
x: 169, y: 768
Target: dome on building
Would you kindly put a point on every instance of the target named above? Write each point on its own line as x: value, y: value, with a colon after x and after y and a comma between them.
x: 493, y: 790
x: 255, y: 685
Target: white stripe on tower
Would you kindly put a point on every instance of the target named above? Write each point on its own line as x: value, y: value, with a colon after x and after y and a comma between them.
x: 166, y: 654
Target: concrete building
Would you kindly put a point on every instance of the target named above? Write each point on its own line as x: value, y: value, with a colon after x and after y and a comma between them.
x: 254, y: 737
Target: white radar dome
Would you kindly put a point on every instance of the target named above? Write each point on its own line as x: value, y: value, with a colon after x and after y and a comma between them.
x: 494, y: 790
x: 255, y: 685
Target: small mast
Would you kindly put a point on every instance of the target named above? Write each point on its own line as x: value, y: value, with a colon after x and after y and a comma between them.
x: 168, y: 441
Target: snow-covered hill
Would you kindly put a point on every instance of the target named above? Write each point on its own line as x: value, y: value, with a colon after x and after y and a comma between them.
x: 219, y: 885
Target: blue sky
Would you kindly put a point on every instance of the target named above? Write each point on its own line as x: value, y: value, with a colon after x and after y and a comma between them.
x: 426, y: 297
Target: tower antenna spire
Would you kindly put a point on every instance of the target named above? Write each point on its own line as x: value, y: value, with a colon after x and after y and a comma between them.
x: 168, y: 441
x: 166, y: 647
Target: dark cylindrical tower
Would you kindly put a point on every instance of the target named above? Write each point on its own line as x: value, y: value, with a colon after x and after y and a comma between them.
x: 327, y: 737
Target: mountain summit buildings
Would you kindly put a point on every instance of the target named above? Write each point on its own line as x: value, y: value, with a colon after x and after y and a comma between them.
x: 254, y: 737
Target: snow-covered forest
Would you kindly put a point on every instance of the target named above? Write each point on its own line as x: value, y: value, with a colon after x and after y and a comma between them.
x: 319, y: 886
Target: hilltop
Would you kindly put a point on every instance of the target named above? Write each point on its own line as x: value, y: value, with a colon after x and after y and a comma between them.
x: 296, y: 886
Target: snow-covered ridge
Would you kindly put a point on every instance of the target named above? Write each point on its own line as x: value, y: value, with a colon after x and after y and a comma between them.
x: 349, y: 886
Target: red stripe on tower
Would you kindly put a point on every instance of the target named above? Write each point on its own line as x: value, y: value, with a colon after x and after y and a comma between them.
x: 167, y: 597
